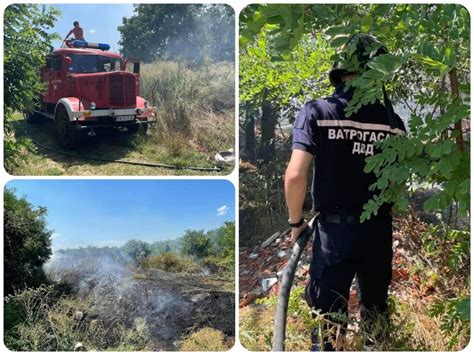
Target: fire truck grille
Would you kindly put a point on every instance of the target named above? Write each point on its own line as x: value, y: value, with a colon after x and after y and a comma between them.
x: 122, y: 90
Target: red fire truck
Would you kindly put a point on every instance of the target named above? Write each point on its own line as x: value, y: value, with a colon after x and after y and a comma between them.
x: 89, y: 88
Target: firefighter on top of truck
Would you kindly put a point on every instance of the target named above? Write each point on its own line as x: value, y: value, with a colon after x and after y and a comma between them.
x: 77, y: 31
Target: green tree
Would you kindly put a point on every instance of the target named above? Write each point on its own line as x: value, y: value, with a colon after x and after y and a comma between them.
x: 196, y: 243
x: 178, y: 31
x: 275, y: 88
x: 223, y: 245
x: 136, y: 249
x: 428, y: 69
x: 224, y: 241
x: 26, y: 44
x: 26, y: 243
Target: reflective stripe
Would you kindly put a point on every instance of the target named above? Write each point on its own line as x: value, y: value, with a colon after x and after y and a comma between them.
x: 359, y: 125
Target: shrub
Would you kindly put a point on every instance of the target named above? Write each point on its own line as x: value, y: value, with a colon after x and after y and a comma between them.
x: 170, y: 262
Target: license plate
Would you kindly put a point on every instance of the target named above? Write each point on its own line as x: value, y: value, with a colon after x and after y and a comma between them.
x: 125, y: 118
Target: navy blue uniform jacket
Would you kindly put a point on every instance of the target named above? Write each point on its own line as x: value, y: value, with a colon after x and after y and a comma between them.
x: 340, y: 146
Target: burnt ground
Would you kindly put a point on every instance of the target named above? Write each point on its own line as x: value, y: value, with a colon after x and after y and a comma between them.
x: 173, y: 305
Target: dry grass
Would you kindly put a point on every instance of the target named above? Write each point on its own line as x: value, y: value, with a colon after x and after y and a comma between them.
x: 42, y: 321
x: 195, y: 105
x: 411, y: 329
x: 170, y: 262
x: 206, y: 339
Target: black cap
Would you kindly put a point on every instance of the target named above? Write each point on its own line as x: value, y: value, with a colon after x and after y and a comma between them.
x: 366, y: 48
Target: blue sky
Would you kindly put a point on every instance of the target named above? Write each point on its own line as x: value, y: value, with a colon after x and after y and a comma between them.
x: 99, y: 21
x: 110, y: 212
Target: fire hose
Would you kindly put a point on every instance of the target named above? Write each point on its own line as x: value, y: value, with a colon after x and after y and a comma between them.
x: 286, y: 283
x: 120, y: 161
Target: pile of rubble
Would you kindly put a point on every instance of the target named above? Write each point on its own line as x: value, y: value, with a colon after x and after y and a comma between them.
x: 261, y: 268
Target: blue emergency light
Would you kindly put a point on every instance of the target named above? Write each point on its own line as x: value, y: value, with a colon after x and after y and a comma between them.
x: 83, y: 44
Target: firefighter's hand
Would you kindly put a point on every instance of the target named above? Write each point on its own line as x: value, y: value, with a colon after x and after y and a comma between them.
x: 296, y: 232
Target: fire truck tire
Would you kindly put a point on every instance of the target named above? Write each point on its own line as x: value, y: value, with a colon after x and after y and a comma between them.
x: 140, y: 128
x: 66, y: 133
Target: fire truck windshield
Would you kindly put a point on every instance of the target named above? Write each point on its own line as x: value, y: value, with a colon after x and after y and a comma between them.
x: 84, y: 63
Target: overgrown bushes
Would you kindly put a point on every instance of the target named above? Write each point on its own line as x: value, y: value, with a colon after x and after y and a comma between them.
x: 195, y: 104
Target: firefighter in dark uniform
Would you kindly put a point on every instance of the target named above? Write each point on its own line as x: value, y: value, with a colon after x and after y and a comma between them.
x: 338, y: 146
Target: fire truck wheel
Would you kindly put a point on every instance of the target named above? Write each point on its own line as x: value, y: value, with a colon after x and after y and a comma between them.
x: 66, y: 133
x: 140, y: 128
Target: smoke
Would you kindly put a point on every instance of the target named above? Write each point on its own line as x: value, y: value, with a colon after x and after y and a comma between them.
x: 208, y: 36
x: 119, y: 291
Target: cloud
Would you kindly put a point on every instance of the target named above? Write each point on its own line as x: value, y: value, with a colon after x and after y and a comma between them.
x: 55, y: 235
x: 222, y: 211
x: 92, y: 31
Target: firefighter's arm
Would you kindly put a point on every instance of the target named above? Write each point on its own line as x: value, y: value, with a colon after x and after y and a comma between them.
x: 296, y: 180
x: 68, y: 34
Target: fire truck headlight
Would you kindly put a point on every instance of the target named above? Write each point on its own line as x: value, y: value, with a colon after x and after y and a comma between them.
x: 93, y: 105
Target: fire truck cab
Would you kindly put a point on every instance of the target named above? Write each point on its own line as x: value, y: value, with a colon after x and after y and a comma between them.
x: 87, y: 88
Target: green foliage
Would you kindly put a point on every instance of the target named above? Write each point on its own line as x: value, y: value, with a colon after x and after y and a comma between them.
x: 196, y: 243
x: 447, y: 247
x: 46, y: 321
x: 27, y: 243
x: 265, y: 77
x: 455, y: 314
x: 223, y: 250
x: 136, y: 249
x: 165, y: 246
x: 179, y: 31
x: 280, y: 87
x: 429, y: 46
x: 26, y: 44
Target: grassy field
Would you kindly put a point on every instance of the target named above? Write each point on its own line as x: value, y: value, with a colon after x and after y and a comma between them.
x: 195, y: 120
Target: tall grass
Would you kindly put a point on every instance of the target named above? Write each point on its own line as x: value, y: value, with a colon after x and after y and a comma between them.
x: 41, y: 320
x: 195, y: 104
